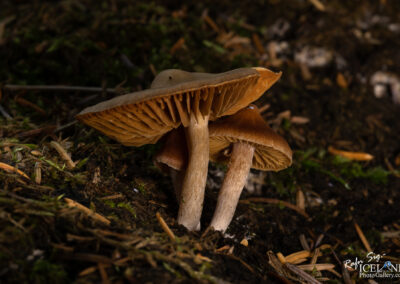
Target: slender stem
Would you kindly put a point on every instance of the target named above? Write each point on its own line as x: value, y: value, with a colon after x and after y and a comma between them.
x: 57, y: 88
x: 234, y: 181
x: 194, y: 181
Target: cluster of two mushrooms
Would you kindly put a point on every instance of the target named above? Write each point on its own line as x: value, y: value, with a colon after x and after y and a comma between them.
x: 192, y: 99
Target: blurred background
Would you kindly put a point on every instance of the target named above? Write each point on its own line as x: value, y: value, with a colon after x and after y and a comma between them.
x: 340, y: 90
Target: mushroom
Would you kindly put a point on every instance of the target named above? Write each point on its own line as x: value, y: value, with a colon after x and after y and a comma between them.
x: 179, y: 97
x: 246, y: 140
x: 172, y: 158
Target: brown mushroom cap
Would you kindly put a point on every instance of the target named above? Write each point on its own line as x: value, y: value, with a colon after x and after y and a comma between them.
x: 271, y: 153
x: 143, y: 117
x: 173, y: 153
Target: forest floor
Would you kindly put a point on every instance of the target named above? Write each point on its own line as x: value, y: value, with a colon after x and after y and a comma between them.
x: 340, y: 84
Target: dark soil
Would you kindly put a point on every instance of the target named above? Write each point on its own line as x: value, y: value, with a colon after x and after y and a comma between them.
x: 122, y: 44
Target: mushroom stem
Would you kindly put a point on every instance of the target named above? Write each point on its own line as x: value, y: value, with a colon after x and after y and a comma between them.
x: 234, y: 181
x: 194, y: 181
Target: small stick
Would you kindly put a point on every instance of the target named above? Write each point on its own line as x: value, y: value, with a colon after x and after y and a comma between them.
x: 302, y: 274
x: 4, y: 113
x: 114, y: 196
x: 31, y: 105
x: 62, y: 127
x: 362, y: 237
x: 225, y: 247
x: 103, y: 273
x: 165, y: 226
x: 177, y: 45
x: 318, y: 5
x: 276, y: 201
x: 264, y: 108
x: 89, y: 212
x: 64, y: 155
x: 357, y: 156
x: 300, y: 199
x: 12, y: 169
x: 211, y: 23
x: 257, y: 43
x: 88, y: 271
x: 315, y: 256
x: 38, y: 173
x: 56, y: 88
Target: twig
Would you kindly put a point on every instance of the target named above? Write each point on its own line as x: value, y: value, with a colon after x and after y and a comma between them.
x: 64, y: 155
x: 56, y: 88
x: 31, y: 105
x: 12, y: 169
x: 357, y: 156
x: 165, y: 226
x: 302, y: 274
x: 4, y: 113
x: 362, y: 237
x: 276, y: 201
x: 264, y: 108
x: 345, y: 272
x: 62, y: 127
x: 89, y: 212
x: 103, y: 273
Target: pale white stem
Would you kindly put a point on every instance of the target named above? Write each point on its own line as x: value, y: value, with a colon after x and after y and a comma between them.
x: 194, y: 181
x: 234, y: 181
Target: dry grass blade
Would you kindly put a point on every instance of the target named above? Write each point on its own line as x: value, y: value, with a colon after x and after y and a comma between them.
x: 356, y: 156
x: 297, y: 255
x: 38, y: 173
x: 211, y: 23
x: 281, y: 258
x: 11, y: 169
x: 165, y: 226
x: 301, y: 274
x: 315, y: 256
x: 304, y: 242
x: 362, y: 237
x: 177, y: 45
x: 277, y: 201
x: 319, y: 267
x: 318, y: 4
x: 63, y: 153
x: 87, y: 211
x: 258, y: 44
x: 300, y: 200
